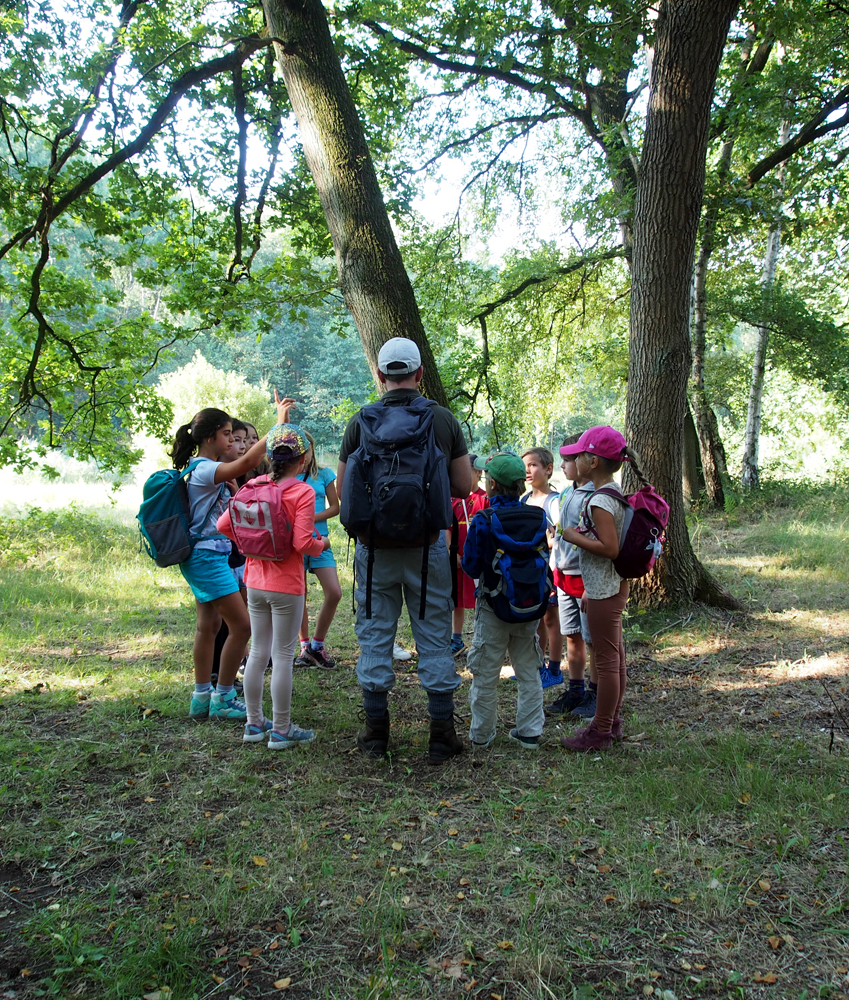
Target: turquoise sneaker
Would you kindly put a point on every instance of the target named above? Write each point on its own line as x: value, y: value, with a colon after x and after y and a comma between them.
x: 256, y: 734
x: 295, y: 737
x: 199, y: 707
x: 226, y: 706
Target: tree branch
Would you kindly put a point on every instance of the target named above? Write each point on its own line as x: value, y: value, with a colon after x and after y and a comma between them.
x: 191, y: 78
x: 236, y: 269
x: 541, y: 279
x: 810, y: 132
x: 544, y: 87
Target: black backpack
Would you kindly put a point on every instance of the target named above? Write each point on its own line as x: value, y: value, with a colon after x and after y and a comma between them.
x: 396, y: 482
x: 516, y: 581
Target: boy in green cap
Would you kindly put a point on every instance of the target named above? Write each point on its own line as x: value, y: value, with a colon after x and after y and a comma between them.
x: 507, y: 622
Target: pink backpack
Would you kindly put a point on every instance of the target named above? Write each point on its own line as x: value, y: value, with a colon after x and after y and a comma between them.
x: 260, y: 522
x: 642, y: 535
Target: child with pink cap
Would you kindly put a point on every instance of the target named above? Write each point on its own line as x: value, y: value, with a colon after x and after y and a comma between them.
x: 598, y: 455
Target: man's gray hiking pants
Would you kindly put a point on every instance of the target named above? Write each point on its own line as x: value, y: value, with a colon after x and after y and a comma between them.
x: 397, y: 577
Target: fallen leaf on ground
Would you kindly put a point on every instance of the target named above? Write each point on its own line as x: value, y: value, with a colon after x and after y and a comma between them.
x: 775, y: 942
x: 397, y: 845
x: 505, y: 945
x: 282, y: 984
x: 764, y: 885
x: 259, y: 861
x: 769, y: 978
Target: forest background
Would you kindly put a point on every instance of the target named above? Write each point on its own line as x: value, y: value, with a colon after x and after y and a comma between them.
x: 165, y: 210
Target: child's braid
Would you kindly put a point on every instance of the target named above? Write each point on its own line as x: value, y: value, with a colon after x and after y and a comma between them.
x: 634, y: 461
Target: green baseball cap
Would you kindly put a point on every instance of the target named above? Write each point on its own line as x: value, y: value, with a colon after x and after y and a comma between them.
x: 505, y: 469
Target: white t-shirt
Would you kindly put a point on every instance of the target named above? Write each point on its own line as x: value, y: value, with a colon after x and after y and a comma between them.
x: 207, y: 500
x: 600, y: 578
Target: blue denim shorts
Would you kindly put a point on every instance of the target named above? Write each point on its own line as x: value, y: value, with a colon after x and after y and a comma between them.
x: 325, y: 558
x: 208, y: 574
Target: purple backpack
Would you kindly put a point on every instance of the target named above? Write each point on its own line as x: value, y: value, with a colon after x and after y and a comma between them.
x: 642, y: 535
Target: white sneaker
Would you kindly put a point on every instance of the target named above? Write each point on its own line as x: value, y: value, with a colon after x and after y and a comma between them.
x: 399, y: 653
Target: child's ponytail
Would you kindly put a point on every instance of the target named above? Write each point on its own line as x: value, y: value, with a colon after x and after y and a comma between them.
x: 205, y: 424
x: 634, y: 461
x: 183, y: 447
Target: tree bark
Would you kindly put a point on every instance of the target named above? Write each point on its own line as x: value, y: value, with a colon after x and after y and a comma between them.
x: 750, y: 473
x: 372, y: 277
x: 689, y: 43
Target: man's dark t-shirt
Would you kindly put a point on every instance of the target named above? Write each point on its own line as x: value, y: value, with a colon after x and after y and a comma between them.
x: 446, y: 429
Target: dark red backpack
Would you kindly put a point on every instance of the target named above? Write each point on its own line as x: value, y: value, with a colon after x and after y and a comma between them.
x: 642, y: 535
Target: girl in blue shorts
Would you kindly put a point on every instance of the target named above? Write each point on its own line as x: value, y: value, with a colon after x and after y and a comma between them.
x: 323, y: 481
x: 209, y: 437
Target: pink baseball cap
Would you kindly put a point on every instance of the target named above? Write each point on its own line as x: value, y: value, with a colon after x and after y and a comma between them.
x: 606, y: 442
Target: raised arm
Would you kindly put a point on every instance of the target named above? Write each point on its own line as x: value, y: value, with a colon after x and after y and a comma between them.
x: 251, y: 459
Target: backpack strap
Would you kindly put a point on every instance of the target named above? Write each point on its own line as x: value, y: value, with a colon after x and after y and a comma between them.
x: 425, y: 568
x: 369, y: 567
x: 617, y: 495
x: 218, y: 496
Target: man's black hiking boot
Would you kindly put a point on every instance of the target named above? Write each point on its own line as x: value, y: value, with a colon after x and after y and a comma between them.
x: 444, y: 742
x: 373, y: 738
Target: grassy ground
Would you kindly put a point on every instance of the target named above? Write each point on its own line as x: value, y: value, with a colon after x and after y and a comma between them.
x: 143, y: 856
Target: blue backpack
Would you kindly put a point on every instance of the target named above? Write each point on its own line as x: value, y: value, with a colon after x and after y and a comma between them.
x: 164, y: 516
x: 396, y: 482
x: 516, y: 581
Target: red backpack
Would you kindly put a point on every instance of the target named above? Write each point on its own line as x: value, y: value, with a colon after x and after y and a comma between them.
x: 642, y: 535
x: 260, y: 522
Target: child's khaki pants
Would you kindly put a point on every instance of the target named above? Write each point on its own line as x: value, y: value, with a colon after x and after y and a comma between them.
x: 493, y: 638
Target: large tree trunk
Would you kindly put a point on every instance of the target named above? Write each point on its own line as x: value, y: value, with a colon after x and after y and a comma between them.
x: 689, y: 43
x: 372, y: 277
x: 750, y: 474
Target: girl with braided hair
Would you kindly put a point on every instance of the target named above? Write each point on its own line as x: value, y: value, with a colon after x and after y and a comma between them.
x: 598, y: 455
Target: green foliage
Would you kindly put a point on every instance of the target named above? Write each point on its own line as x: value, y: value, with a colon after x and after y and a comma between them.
x: 198, y: 385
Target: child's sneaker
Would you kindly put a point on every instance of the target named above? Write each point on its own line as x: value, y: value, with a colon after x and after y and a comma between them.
x: 199, y: 706
x: 293, y: 738
x: 303, y: 661
x: 226, y: 706
x: 528, y: 742
x: 550, y: 679
x: 458, y: 650
x: 586, y: 709
x: 320, y: 658
x: 563, y: 705
x: 400, y: 654
x: 256, y: 734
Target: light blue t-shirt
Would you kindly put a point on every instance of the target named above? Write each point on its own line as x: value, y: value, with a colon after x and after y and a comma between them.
x: 207, y: 500
x: 319, y: 482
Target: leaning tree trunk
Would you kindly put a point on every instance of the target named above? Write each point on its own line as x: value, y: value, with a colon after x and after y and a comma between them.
x: 372, y: 277
x: 750, y: 474
x: 689, y: 42
x: 710, y: 443
x: 693, y: 475
x: 707, y: 427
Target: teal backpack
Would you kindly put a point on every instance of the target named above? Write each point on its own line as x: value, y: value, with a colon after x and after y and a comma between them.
x: 164, y: 516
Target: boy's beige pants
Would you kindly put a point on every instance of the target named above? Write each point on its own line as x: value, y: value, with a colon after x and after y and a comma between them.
x: 493, y: 638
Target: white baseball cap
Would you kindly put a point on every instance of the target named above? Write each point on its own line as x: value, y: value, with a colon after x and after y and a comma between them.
x: 399, y: 356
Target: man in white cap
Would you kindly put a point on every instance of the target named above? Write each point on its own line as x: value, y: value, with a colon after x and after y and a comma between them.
x: 390, y: 570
